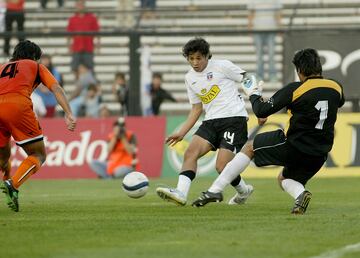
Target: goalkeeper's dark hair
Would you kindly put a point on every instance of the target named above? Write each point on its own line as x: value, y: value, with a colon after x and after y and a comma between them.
x: 195, y: 45
x: 307, y: 62
x: 26, y: 50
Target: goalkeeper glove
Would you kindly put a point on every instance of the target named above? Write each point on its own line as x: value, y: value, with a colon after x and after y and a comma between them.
x: 251, y: 85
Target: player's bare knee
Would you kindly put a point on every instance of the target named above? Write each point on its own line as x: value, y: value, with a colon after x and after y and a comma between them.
x: 248, y: 149
x: 220, y: 167
x: 42, y: 158
x: 191, y: 154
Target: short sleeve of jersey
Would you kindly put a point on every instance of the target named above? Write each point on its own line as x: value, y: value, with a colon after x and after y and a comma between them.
x: 232, y: 71
x: 193, y: 98
x: 46, y: 77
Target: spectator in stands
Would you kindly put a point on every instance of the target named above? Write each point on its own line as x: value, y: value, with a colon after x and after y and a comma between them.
x: 82, y: 46
x: 147, y: 8
x: 44, y: 3
x: 92, y: 101
x: 2, y: 16
x: 14, y: 13
x: 47, y: 97
x: 265, y: 16
x: 77, y: 99
x: 121, y: 92
x: 104, y: 111
x: 148, y: 4
x: 122, y: 153
x: 125, y: 14
x: 158, y: 94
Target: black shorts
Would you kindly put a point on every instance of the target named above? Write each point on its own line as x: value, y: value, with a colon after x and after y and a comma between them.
x: 228, y: 133
x: 271, y: 148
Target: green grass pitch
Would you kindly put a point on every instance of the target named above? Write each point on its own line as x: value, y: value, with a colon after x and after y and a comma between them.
x: 95, y: 219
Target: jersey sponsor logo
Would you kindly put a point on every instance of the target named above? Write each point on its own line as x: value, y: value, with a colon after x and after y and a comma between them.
x: 209, y: 96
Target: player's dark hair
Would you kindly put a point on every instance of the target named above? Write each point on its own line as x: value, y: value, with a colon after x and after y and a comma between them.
x: 195, y: 45
x: 307, y: 62
x: 26, y: 50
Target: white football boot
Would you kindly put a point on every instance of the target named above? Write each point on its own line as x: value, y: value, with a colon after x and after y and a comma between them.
x: 241, y: 198
x: 171, y: 195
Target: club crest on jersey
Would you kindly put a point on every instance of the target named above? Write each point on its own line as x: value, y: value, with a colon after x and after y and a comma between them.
x: 209, y: 76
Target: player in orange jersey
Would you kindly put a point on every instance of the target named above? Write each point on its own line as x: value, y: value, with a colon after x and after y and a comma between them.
x: 18, y: 78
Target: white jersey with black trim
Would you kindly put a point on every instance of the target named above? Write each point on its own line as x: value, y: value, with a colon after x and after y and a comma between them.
x: 216, y: 89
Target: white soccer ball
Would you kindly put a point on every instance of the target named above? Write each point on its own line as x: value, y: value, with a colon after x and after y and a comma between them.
x: 135, y: 184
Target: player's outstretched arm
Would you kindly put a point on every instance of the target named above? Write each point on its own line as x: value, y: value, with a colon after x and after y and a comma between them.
x: 193, y: 116
x: 63, y: 102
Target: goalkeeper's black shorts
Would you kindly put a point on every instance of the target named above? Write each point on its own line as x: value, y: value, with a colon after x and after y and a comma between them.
x: 271, y: 148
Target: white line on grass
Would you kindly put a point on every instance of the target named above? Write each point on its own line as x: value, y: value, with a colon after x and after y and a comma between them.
x: 337, y: 253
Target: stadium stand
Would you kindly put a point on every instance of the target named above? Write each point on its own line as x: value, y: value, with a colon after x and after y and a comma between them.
x: 176, y: 15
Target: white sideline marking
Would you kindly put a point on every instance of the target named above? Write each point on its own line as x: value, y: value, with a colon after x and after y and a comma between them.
x: 337, y: 253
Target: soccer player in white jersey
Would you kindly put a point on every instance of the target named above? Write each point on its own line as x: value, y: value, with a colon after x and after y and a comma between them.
x: 210, y: 86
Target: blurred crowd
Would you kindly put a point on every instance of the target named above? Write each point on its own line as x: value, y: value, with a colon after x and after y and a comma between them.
x: 86, y: 99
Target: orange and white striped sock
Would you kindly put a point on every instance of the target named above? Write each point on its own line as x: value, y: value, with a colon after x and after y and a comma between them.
x: 28, y: 167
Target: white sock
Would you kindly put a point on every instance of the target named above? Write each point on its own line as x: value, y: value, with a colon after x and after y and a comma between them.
x: 184, y: 184
x: 241, y: 187
x: 230, y: 172
x: 292, y: 187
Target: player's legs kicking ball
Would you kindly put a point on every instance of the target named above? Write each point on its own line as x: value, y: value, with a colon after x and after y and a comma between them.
x: 179, y: 194
x: 231, y: 171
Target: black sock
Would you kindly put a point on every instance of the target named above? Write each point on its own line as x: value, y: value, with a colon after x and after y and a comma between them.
x: 190, y: 174
x: 236, y: 181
